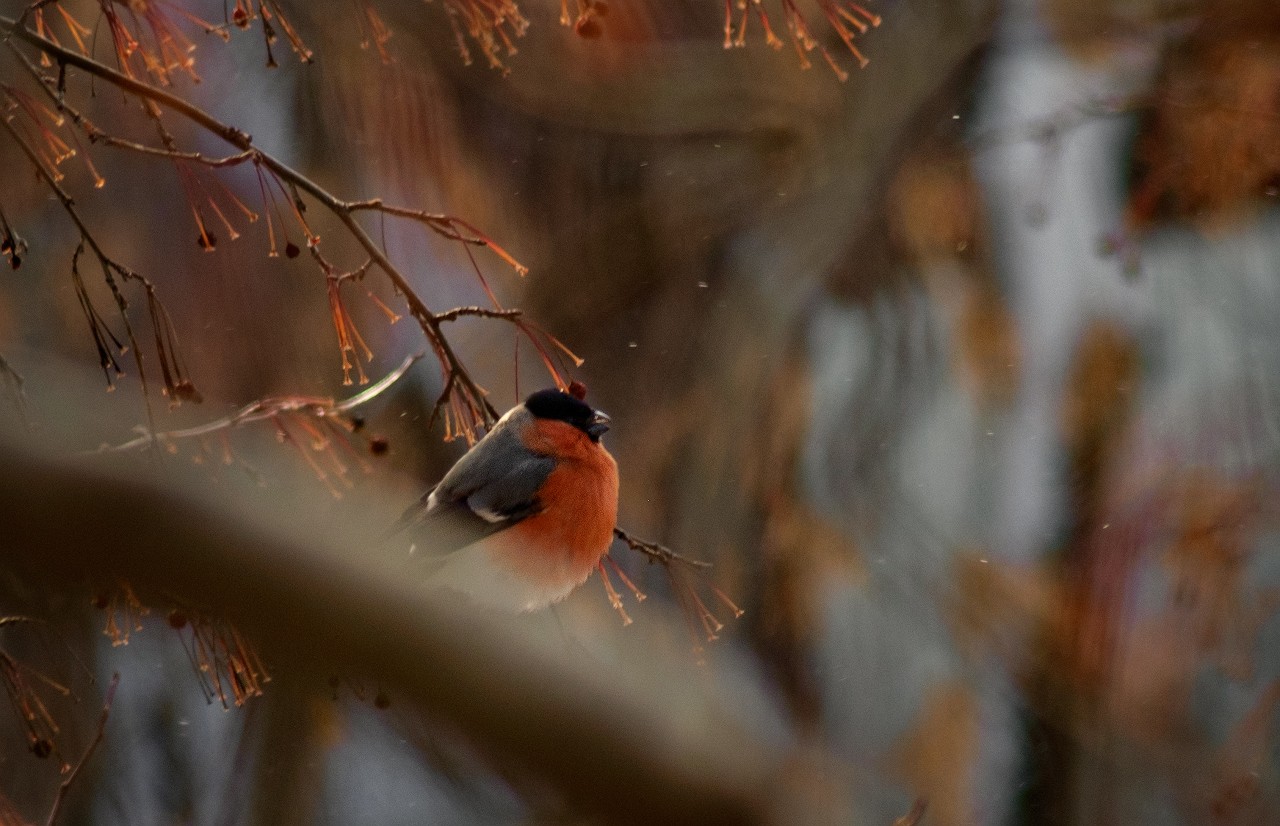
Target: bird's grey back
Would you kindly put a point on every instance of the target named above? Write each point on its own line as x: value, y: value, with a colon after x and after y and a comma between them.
x: 499, y: 478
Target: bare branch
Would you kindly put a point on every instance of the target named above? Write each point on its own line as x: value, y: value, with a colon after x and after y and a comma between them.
x: 67, y: 57
x: 479, y: 312
x: 108, y: 699
x: 375, y: 389
x: 12, y: 245
x: 657, y: 553
x: 13, y: 381
x: 98, y: 136
x: 309, y: 592
x: 474, y: 402
x: 446, y: 225
x: 108, y: 266
x: 270, y: 408
x: 684, y: 574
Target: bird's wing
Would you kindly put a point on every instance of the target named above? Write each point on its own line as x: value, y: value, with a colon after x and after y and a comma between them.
x: 497, y: 481
x: 492, y: 487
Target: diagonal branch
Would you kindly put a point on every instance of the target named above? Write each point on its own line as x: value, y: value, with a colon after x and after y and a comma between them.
x: 270, y: 408
x: 447, y: 225
x: 474, y: 396
x: 641, y: 751
x: 478, y: 312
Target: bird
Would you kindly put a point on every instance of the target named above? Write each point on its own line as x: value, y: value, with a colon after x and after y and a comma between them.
x: 524, y: 516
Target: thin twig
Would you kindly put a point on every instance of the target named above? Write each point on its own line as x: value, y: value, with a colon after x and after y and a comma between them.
x: 13, y: 380
x: 656, y: 552
x: 108, y: 264
x: 447, y: 225
x: 378, y: 386
x: 269, y: 408
x: 98, y: 136
x: 701, y: 623
x: 31, y: 9
x: 93, y: 745
x: 479, y: 312
x: 11, y: 243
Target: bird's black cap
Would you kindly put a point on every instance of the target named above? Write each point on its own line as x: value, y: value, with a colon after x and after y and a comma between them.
x: 560, y: 406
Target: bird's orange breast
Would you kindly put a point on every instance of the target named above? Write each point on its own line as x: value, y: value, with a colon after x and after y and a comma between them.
x: 563, y: 542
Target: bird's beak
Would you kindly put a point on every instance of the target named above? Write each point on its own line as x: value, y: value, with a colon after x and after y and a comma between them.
x: 598, y: 425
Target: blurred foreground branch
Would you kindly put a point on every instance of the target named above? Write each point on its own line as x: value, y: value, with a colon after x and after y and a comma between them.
x: 621, y: 744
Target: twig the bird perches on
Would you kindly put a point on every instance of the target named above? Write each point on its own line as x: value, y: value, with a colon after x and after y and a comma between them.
x: 657, y: 553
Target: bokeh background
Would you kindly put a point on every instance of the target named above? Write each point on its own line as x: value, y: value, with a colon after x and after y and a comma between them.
x: 963, y: 372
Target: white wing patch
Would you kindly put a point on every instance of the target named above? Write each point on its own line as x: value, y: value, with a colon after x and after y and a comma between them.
x: 487, y: 514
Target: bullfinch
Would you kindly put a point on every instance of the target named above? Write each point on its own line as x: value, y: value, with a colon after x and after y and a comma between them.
x: 525, y: 515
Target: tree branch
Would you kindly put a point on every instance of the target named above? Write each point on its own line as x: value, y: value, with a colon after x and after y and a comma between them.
x: 65, y: 787
x: 657, y: 553
x: 270, y: 408
x: 478, y: 312
x: 609, y: 740
x: 474, y: 396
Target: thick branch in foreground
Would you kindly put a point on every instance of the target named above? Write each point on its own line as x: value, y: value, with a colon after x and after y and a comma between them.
x: 624, y: 745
